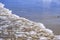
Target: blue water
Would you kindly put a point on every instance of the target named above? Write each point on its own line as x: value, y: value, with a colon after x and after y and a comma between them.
x: 45, y: 11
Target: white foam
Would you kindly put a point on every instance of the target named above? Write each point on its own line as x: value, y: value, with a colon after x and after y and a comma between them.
x: 18, y: 23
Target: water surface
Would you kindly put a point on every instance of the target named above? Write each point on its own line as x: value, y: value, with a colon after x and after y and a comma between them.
x: 45, y: 11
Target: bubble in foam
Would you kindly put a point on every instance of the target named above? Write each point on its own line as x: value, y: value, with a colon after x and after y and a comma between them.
x: 1, y: 5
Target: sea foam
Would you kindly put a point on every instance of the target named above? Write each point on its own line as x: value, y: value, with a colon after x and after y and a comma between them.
x: 19, y: 27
